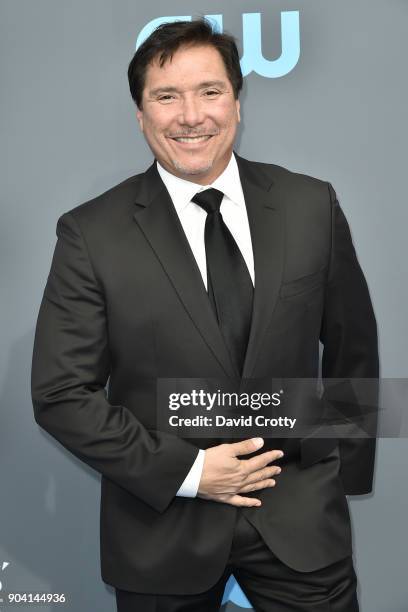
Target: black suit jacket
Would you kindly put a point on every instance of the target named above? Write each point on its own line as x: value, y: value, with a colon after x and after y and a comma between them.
x: 124, y: 302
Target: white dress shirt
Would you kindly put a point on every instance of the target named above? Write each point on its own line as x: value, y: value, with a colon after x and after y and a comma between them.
x: 192, y: 218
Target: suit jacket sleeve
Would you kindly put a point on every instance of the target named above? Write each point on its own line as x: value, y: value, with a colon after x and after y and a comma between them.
x: 350, y: 350
x: 70, y: 369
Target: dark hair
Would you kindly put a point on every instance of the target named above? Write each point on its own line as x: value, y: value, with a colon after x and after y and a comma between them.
x: 167, y: 38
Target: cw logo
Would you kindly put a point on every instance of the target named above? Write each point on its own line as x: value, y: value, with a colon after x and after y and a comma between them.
x: 234, y: 594
x: 252, y: 59
x: 3, y: 567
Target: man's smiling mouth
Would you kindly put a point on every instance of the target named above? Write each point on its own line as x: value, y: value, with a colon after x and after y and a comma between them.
x: 191, y: 138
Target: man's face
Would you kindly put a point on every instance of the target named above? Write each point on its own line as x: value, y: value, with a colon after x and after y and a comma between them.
x: 190, y: 115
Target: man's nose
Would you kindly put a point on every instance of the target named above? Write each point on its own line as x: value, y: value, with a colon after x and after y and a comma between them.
x: 191, y: 112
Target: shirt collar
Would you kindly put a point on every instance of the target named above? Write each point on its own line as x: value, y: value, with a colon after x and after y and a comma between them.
x: 181, y: 191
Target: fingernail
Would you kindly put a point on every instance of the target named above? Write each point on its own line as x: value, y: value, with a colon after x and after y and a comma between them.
x: 258, y: 442
x: 280, y: 454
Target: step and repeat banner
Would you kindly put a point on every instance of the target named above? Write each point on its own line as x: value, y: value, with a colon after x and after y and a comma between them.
x: 325, y: 94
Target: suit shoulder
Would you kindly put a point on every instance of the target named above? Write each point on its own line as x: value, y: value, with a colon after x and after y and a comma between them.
x: 290, y: 178
x: 299, y: 193
x: 110, y: 205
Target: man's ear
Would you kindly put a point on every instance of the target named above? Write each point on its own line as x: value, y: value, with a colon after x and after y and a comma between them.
x: 238, y: 106
x: 139, y: 117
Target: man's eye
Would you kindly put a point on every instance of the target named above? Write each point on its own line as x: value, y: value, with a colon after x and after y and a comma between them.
x: 166, y: 98
x: 211, y: 93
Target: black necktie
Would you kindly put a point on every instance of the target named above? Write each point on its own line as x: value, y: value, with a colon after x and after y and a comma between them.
x: 229, y: 284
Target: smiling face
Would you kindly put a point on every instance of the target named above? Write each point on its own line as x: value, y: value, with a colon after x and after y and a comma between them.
x: 189, y: 115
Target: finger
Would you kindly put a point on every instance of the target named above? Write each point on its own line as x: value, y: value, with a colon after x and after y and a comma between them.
x: 261, y: 461
x: 263, y: 474
x: 245, y: 447
x: 243, y: 502
x: 257, y: 486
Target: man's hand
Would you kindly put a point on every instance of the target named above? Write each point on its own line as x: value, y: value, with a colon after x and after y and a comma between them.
x: 225, y: 477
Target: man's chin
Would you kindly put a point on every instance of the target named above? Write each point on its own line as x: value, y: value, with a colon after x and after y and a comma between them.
x: 192, y: 169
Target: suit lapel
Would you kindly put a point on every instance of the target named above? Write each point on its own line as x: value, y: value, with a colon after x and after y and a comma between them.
x: 161, y: 226
x: 265, y: 217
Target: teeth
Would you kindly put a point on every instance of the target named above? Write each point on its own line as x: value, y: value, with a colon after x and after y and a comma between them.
x: 192, y: 139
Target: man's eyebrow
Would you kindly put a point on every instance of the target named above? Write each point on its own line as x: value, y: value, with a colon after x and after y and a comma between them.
x: 172, y: 89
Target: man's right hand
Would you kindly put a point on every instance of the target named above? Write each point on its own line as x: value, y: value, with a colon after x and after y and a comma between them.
x: 225, y: 477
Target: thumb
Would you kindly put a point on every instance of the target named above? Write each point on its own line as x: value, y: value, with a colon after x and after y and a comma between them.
x: 246, y: 446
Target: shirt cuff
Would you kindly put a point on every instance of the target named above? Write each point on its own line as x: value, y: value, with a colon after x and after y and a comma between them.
x: 191, y: 482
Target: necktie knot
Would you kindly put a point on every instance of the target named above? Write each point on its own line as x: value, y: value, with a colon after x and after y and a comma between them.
x: 209, y: 199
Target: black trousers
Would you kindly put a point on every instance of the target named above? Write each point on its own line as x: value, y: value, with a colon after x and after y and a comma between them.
x: 269, y: 584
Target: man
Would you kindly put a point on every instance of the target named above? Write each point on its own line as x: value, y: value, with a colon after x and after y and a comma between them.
x: 207, y: 265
